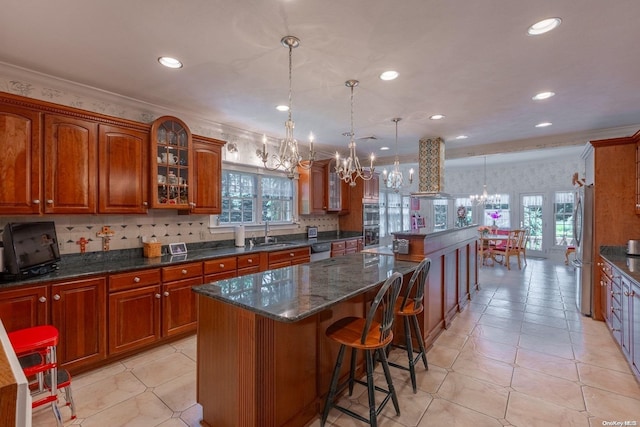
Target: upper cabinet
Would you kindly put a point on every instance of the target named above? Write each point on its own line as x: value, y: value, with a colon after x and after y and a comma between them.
x: 337, y: 191
x: 20, y: 164
x: 70, y: 162
x: 311, y: 189
x: 124, y: 170
x: 207, y: 173
x: 171, y: 164
x: 372, y: 188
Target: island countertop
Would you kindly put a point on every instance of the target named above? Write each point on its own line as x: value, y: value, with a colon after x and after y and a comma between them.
x: 293, y: 293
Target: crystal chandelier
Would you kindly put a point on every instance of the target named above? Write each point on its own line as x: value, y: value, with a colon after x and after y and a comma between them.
x: 350, y: 168
x: 394, y: 179
x: 288, y: 157
x: 484, y: 198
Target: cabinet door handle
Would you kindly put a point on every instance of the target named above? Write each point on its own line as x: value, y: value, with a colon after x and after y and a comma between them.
x: 184, y: 271
x: 50, y: 202
x: 221, y: 265
x: 42, y: 299
x: 157, y: 296
x: 250, y: 261
x: 145, y: 204
x: 56, y: 297
x: 291, y: 254
x: 192, y: 204
x: 36, y: 202
x: 136, y: 279
x: 166, y: 293
x: 629, y: 294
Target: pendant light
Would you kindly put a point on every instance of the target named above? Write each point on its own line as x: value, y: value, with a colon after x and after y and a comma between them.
x: 395, y: 180
x: 288, y: 157
x: 350, y: 168
x: 484, y: 198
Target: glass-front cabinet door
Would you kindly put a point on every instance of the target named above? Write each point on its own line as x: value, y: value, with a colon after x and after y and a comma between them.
x: 171, y: 159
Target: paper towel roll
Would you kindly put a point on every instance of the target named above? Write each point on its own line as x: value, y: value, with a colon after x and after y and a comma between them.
x: 239, y: 231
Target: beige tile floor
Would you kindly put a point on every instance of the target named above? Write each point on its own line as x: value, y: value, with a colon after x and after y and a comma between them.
x: 518, y: 355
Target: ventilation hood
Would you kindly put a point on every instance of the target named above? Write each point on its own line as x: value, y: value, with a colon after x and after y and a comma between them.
x: 431, y: 169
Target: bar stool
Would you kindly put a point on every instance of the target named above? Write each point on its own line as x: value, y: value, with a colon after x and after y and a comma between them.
x: 408, y: 307
x: 36, y: 351
x: 372, y: 336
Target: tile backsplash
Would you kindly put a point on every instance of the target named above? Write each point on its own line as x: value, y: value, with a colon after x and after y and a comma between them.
x: 166, y: 226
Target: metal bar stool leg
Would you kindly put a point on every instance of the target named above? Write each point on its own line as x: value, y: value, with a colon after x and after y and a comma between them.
x: 387, y: 375
x: 373, y: 418
x: 333, y: 386
x: 423, y: 352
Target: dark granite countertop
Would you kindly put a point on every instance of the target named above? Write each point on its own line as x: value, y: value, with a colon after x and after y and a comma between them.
x: 96, y: 263
x: 290, y: 294
x: 628, y: 265
x: 422, y: 232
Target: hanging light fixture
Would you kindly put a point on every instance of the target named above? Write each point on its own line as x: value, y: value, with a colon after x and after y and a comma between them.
x: 394, y: 179
x: 350, y: 168
x: 288, y: 157
x: 484, y: 198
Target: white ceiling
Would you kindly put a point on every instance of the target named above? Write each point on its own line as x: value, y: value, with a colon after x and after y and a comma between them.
x: 469, y: 60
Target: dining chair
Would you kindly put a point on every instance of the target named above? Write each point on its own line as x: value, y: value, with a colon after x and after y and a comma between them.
x: 522, y: 246
x: 509, y: 249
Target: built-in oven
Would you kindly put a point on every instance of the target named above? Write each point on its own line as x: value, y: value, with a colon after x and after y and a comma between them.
x: 371, y: 235
x: 371, y: 223
x: 370, y: 214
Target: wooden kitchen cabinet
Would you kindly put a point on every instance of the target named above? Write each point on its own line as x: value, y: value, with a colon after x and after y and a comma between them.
x: 70, y: 165
x: 179, y: 306
x: 344, y: 247
x: 634, y: 316
x: 220, y: 268
x: 134, y: 310
x: 24, y: 307
x: 123, y: 169
x: 20, y: 163
x: 337, y: 248
x: 288, y: 257
x: 248, y: 264
x: 78, y: 310
x: 170, y: 164
x: 207, y: 175
x: 372, y: 188
x: 311, y: 189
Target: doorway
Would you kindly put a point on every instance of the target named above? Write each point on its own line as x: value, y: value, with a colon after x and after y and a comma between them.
x: 531, y: 213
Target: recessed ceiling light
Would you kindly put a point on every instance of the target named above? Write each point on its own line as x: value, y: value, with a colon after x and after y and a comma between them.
x: 437, y: 117
x: 384, y: 148
x: 389, y: 75
x: 282, y: 108
x: 462, y: 137
x: 543, y: 26
x: 170, y: 62
x: 543, y: 124
x: 542, y: 95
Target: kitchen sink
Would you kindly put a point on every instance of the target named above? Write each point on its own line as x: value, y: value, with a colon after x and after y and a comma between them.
x: 275, y: 245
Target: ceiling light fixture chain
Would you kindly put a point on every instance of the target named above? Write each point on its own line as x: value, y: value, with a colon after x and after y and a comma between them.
x: 350, y: 168
x: 485, y: 198
x: 394, y: 179
x: 288, y: 157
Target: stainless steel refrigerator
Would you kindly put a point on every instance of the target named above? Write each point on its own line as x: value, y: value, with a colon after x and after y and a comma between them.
x: 583, y: 235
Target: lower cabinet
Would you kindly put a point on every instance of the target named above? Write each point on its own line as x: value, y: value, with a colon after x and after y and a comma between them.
x: 134, y: 310
x: 635, y: 328
x: 24, y: 307
x: 344, y: 247
x: 78, y: 310
x: 285, y: 258
x: 179, y: 306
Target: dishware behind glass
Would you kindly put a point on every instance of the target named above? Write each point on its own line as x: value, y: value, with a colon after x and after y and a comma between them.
x: 162, y: 179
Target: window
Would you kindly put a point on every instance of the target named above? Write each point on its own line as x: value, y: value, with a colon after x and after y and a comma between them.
x: 247, y: 197
x: 497, y: 212
x: 563, y: 218
x: 394, y: 212
x: 277, y: 199
x: 406, y: 213
x: 440, y: 209
x: 464, y: 212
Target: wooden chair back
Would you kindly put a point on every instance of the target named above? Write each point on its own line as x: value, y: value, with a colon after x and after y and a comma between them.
x: 417, y: 281
x: 385, y: 300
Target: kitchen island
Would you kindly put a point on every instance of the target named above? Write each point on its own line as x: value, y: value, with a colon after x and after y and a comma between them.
x: 263, y: 358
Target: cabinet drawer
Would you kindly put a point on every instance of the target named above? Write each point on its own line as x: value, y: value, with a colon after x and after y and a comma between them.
x: 214, y: 277
x: 352, y: 244
x: 338, y: 246
x: 288, y: 255
x: 183, y: 271
x: 134, y: 279
x: 220, y: 265
x: 245, y: 261
x: 248, y: 270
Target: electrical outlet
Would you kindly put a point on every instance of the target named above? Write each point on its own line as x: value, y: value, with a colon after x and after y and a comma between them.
x: 203, y: 235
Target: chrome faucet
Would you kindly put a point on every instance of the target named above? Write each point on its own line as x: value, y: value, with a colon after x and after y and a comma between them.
x: 267, y: 238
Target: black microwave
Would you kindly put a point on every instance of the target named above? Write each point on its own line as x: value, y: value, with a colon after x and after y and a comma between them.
x: 30, y: 248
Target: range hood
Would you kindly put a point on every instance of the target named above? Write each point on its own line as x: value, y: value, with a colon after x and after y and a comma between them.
x: 431, y: 169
